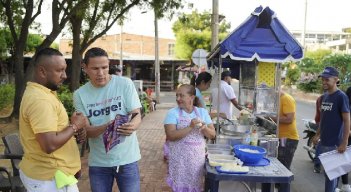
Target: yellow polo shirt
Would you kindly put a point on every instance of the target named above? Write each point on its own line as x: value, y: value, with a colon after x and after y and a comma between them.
x: 41, y: 111
x: 288, y: 105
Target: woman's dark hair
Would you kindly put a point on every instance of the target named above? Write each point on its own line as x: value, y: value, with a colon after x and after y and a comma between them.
x: 348, y: 93
x: 203, y: 76
x: 191, y: 91
x: 94, y: 52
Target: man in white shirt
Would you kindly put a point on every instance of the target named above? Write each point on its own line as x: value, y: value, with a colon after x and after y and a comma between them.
x: 227, y: 96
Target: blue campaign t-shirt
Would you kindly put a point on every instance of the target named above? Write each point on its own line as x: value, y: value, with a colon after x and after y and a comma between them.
x: 173, y: 115
x: 331, y: 125
x: 201, y: 98
x: 101, y: 105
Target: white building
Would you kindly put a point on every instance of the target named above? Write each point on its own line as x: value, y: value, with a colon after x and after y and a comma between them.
x: 337, y: 41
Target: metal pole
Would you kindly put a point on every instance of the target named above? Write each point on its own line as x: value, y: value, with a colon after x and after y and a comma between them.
x: 214, y: 24
x: 157, y: 63
x: 121, y: 50
x: 304, y: 27
x: 219, y: 92
x: 278, y: 81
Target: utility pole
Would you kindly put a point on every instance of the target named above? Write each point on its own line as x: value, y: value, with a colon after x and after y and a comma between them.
x: 304, y: 28
x: 157, y: 62
x: 214, y: 24
x: 121, y: 49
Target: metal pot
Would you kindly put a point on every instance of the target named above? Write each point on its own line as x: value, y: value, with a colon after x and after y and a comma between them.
x: 235, y: 129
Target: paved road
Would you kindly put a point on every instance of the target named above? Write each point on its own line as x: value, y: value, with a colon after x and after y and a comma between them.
x: 302, y: 166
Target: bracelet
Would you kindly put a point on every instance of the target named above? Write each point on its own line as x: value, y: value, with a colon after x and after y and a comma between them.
x: 74, y: 127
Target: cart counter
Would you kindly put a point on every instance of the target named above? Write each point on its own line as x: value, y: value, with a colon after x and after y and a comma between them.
x: 268, y: 175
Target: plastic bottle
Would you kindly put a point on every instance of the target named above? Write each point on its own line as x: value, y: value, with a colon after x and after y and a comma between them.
x: 246, y: 138
x: 254, y: 138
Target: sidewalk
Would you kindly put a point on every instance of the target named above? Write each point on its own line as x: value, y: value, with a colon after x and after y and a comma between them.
x: 152, y: 167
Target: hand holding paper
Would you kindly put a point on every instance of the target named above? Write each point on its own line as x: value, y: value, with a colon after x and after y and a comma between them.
x: 111, y: 137
x: 126, y: 129
x: 336, y: 164
x: 117, y: 130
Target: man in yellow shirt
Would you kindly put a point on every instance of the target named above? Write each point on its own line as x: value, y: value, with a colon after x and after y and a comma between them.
x: 288, y: 135
x: 46, y: 134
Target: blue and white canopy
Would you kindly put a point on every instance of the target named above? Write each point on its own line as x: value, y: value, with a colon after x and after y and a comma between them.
x: 262, y: 37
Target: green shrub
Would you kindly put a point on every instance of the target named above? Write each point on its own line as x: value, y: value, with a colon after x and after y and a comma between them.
x: 66, y: 97
x: 292, y: 76
x: 7, y: 95
x: 310, y: 84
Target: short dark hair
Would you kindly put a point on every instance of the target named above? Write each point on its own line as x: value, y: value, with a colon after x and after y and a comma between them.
x: 113, y: 69
x: 45, y: 53
x: 225, y: 74
x: 203, y: 76
x: 94, y: 52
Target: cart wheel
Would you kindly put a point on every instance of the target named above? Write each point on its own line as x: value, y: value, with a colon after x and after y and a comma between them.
x: 310, y: 144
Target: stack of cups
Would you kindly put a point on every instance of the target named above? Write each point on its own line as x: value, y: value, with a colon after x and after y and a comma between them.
x: 272, y: 146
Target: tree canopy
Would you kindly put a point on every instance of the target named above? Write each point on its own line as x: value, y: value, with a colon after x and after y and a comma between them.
x: 7, y: 44
x: 193, y: 31
x: 96, y: 17
x: 92, y: 18
x: 314, y: 63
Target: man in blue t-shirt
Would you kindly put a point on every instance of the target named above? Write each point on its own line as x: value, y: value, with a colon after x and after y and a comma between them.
x: 101, y: 99
x: 334, y: 127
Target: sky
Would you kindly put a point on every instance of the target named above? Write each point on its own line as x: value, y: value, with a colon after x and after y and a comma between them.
x: 322, y: 15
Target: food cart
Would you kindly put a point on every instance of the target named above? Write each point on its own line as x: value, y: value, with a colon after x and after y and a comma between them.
x: 254, y: 52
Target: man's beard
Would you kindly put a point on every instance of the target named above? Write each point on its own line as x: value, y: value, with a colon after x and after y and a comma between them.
x: 52, y: 86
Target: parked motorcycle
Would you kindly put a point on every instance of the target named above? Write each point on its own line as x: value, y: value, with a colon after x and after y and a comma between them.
x: 310, y: 130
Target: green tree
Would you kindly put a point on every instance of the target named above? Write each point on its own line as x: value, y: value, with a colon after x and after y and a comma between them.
x: 313, y: 61
x: 92, y: 21
x: 347, y: 30
x: 343, y: 63
x: 96, y: 17
x: 318, y: 55
x: 19, y: 16
x: 193, y: 31
x: 33, y: 41
x: 6, y: 43
x: 164, y: 8
x: 7, y: 47
x: 314, y: 64
x: 293, y: 73
x: 54, y: 45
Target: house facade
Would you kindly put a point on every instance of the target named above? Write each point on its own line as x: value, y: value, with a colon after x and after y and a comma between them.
x: 132, y: 46
x: 137, y: 53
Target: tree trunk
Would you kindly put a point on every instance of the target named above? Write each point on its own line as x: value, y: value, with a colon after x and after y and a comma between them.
x: 76, y: 54
x: 20, y: 83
